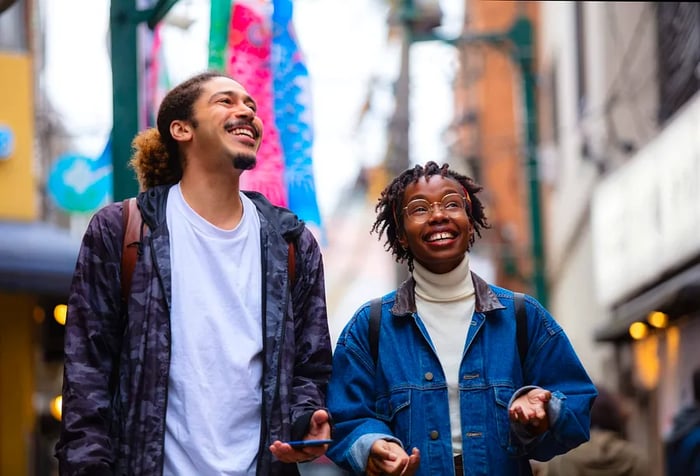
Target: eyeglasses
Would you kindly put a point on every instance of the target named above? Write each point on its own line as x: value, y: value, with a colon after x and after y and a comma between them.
x: 419, y: 211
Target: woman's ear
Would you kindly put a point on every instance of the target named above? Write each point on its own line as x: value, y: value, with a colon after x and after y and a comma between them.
x: 403, y: 241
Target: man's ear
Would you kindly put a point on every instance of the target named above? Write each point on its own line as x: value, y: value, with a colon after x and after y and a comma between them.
x: 181, y: 130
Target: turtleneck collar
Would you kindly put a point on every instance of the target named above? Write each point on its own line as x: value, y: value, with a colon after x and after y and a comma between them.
x: 451, y: 286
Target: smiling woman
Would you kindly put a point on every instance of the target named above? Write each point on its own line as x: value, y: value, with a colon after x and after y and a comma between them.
x: 448, y: 384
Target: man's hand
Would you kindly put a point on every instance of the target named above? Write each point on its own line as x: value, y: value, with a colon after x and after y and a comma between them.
x: 388, y: 458
x: 530, y: 409
x: 319, y: 429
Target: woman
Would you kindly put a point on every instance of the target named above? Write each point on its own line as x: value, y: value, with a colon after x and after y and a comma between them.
x: 448, y: 392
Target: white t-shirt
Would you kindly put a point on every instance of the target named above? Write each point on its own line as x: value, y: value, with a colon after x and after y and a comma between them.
x: 214, y: 389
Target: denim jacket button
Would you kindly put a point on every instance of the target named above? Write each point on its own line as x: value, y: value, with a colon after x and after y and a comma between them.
x: 434, y: 435
x: 428, y: 376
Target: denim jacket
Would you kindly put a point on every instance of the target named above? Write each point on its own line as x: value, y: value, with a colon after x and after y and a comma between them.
x: 404, y: 396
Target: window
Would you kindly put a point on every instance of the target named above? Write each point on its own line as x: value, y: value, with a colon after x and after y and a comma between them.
x: 13, y: 25
x: 679, y: 55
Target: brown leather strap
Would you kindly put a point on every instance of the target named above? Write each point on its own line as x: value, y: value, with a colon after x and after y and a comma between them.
x: 291, y: 264
x: 132, y: 222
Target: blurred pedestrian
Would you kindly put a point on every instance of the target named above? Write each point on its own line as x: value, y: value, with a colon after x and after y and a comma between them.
x: 682, y: 445
x: 449, y: 392
x: 608, y: 452
x: 218, y: 354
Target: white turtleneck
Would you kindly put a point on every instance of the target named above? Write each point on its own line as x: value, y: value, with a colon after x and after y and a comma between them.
x: 445, y: 304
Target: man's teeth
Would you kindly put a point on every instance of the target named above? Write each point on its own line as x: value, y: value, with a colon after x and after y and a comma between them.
x: 440, y: 236
x: 243, y: 132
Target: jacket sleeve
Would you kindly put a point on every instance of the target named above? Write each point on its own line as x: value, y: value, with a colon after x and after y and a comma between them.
x: 312, y: 366
x: 352, y: 397
x: 551, y: 363
x: 92, y: 336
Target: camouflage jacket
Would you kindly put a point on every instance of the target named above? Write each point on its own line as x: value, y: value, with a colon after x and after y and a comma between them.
x: 116, y: 367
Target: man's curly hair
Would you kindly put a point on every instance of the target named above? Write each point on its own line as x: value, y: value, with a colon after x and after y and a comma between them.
x: 390, y: 206
x: 156, y: 157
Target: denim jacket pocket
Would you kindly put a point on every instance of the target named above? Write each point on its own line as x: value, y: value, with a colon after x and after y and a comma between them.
x: 502, y: 395
x: 394, y: 409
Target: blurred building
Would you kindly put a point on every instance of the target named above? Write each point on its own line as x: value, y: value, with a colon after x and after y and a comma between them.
x: 488, y: 140
x: 620, y: 167
x: 37, y: 256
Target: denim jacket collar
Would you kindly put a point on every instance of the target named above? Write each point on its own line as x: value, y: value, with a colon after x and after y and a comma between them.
x: 486, y: 299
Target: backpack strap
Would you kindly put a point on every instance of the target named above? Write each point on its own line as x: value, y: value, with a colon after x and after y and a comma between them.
x: 133, y: 224
x: 521, y: 325
x: 375, y: 319
x: 291, y: 264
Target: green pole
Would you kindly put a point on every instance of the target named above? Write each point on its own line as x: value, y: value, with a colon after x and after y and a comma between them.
x: 523, y: 55
x: 123, y: 40
x: 220, y: 17
x: 123, y: 21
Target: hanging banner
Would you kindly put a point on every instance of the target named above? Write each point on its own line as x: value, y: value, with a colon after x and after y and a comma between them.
x: 157, y: 78
x: 293, y: 115
x: 250, y: 42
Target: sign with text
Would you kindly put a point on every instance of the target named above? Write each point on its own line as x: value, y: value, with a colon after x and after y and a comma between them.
x: 646, y: 215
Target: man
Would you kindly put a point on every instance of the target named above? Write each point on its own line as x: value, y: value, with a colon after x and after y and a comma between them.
x: 683, y: 443
x: 218, y: 357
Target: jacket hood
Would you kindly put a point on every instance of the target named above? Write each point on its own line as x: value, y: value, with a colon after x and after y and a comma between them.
x: 606, y: 454
x: 152, y: 204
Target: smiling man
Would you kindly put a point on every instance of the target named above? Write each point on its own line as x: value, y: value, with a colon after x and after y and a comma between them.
x: 220, y: 354
x: 449, y: 388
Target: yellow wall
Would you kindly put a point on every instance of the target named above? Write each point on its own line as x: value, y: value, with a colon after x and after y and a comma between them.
x: 17, y: 188
x: 16, y: 383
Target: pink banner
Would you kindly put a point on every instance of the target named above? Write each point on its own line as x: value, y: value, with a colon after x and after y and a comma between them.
x: 249, y: 63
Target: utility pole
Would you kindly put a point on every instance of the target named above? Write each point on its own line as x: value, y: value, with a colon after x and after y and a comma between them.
x: 518, y: 43
x: 124, y: 18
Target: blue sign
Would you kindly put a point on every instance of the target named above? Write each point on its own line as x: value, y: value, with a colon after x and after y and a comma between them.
x: 81, y: 184
x: 7, y: 142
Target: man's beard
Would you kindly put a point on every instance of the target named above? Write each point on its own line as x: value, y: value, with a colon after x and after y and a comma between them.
x: 244, y: 161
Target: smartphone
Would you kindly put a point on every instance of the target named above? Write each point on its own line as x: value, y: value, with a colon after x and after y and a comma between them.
x: 305, y: 443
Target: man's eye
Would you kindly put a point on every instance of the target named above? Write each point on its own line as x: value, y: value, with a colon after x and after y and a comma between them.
x: 225, y: 100
x: 253, y: 107
x: 451, y: 204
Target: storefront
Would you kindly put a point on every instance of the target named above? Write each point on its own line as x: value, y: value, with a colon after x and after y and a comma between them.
x: 36, y: 265
x: 646, y: 232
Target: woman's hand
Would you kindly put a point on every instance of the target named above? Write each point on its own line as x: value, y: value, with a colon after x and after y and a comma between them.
x: 530, y: 410
x: 388, y: 458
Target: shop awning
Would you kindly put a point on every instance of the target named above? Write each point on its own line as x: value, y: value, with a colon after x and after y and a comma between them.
x: 676, y: 295
x: 36, y: 258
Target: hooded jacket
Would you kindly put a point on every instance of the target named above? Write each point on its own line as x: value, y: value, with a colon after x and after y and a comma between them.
x: 606, y: 454
x: 116, y: 368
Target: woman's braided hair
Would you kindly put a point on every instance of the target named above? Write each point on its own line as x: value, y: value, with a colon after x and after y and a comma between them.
x: 390, y: 206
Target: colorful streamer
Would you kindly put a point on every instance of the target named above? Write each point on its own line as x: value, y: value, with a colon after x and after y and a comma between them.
x: 250, y: 42
x: 292, y: 92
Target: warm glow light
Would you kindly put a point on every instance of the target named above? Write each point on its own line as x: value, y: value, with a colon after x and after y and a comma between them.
x: 658, y: 319
x: 638, y: 330
x: 59, y: 313
x: 56, y: 407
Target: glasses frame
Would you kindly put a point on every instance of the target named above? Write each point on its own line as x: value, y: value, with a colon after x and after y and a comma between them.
x: 431, y: 207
